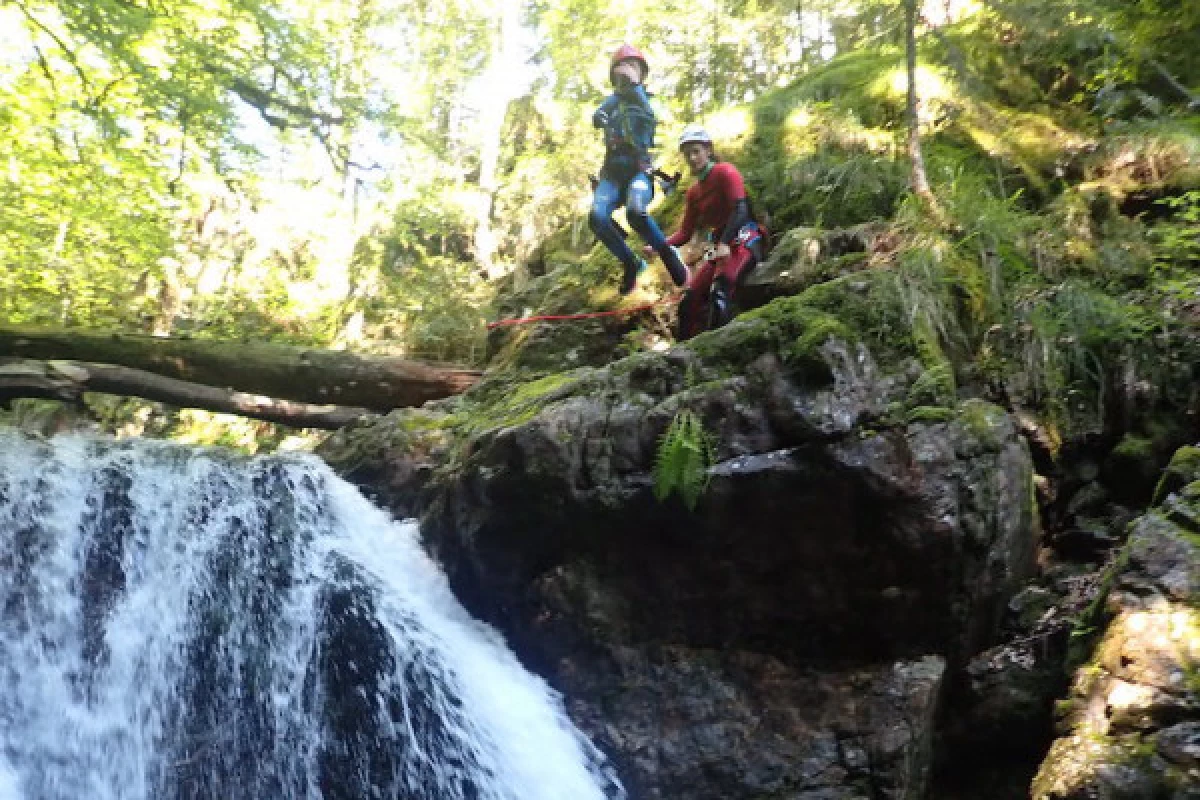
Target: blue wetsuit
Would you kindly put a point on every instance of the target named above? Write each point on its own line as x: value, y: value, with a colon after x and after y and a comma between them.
x: 628, y: 122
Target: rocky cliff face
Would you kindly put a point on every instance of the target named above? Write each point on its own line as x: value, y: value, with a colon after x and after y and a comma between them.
x: 1131, y: 725
x: 790, y: 636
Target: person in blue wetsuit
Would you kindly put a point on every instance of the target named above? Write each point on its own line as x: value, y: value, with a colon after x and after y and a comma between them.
x: 628, y: 123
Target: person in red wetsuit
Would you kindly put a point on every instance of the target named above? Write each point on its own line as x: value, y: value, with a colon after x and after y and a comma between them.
x: 723, y: 240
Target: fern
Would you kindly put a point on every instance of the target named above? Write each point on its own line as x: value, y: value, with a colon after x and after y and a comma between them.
x: 685, y: 452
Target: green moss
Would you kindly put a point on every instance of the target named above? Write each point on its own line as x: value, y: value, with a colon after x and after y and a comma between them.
x: 505, y: 403
x: 821, y: 150
x: 930, y: 414
x: 819, y: 329
x: 1183, y: 469
x: 1065, y: 709
x: 1134, y: 463
x: 788, y: 326
x: 870, y: 305
x: 373, y: 445
x: 933, y: 387
x: 1134, y: 448
x: 983, y: 421
x: 1135, y: 750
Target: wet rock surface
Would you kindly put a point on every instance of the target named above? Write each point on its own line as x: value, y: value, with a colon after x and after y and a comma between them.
x: 710, y: 724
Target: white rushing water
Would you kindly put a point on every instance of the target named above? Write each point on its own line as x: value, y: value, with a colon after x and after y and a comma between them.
x: 179, y: 624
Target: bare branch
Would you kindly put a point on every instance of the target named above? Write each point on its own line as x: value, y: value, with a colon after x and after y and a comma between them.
x: 67, y: 52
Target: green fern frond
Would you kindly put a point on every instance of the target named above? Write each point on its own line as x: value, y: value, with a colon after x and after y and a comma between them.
x: 685, y: 452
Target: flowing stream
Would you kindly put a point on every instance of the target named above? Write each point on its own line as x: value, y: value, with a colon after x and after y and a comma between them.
x: 178, y: 624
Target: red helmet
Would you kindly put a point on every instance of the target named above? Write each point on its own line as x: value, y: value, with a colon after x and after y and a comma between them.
x: 625, y: 52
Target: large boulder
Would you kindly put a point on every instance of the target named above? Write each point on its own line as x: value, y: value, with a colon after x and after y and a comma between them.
x: 825, y: 533
x: 788, y: 636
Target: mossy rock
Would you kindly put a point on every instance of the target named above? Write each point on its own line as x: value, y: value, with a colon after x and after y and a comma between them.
x: 806, y: 256
x: 1133, y: 467
x: 988, y: 426
x: 789, y: 327
x: 505, y: 400
x: 1183, y: 470
x: 1125, y: 766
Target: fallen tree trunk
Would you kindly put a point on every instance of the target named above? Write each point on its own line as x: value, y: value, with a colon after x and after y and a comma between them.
x: 68, y: 380
x: 280, y: 371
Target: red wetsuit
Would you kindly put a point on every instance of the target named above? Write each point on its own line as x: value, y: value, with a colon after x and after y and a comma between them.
x: 711, y: 202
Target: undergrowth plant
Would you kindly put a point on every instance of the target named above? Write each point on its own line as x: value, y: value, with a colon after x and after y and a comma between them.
x: 685, y: 452
x: 1178, y: 239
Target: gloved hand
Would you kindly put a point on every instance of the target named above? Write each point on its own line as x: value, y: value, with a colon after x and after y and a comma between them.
x: 716, y: 251
x: 625, y: 75
x: 600, y: 119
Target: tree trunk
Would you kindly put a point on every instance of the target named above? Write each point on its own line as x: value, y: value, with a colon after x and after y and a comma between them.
x: 68, y: 380
x: 501, y: 77
x: 918, y: 178
x: 803, y: 33
x: 279, y: 371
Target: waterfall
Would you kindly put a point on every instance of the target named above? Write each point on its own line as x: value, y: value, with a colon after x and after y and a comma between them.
x: 179, y: 624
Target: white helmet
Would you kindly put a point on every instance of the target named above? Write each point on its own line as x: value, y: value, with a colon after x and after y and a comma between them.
x: 694, y: 133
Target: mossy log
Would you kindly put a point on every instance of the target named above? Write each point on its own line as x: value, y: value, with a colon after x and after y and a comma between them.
x: 68, y: 380
x: 298, y: 374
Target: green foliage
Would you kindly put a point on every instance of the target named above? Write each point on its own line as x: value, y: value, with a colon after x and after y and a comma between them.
x: 685, y: 452
x: 1114, y: 54
x: 934, y: 387
x: 325, y: 173
x: 1177, y: 240
x: 930, y: 414
x: 419, y: 291
x: 819, y: 152
x: 120, y: 116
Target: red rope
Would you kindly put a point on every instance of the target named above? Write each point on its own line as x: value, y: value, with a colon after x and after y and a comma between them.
x: 592, y: 315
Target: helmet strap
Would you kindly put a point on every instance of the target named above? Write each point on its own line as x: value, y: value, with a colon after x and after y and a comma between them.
x: 707, y: 169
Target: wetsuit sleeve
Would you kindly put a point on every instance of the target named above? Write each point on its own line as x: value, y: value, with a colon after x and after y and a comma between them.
x: 734, y: 190
x: 688, y: 226
x: 737, y: 221
x: 604, y: 113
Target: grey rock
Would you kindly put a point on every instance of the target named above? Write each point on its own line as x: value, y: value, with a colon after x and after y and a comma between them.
x: 1180, y: 744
